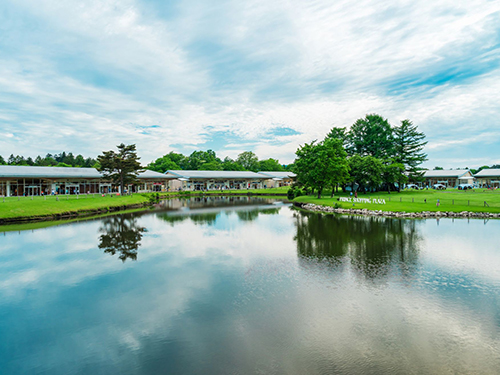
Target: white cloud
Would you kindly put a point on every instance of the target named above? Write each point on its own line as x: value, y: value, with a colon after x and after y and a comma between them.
x: 83, y: 77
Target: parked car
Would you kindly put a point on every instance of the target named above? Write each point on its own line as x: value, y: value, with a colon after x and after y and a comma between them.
x: 465, y: 186
x: 439, y: 186
x: 413, y: 186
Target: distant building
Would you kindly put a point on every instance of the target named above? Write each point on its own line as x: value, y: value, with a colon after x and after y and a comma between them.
x: 278, y: 179
x: 449, y: 178
x: 488, y: 178
x: 220, y: 180
x: 26, y: 180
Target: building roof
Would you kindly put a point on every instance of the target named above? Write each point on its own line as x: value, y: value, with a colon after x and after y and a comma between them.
x: 489, y: 172
x: 279, y: 175
x: 186, y: 174
x: 21, y: 171
x: 452, y: 173
x: 152, y: 175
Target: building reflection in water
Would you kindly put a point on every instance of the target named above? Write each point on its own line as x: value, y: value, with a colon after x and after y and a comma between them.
x: 121, y: 235
x: 207, y: 217
x: 372, y: 245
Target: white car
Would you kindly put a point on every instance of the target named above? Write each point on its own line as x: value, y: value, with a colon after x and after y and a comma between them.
x: 438, y: 186
x: 413, y: 186
x: 465, y: 186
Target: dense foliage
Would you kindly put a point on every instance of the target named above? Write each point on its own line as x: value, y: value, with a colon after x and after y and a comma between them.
x: 58, y: 160
x: 208, y: 161
x: 375, y: 156
x: 321, y: 165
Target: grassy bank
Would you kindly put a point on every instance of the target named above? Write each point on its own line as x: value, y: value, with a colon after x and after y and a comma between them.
x: 450, y: 200
x: 31, y: 208
x: 32, y: 225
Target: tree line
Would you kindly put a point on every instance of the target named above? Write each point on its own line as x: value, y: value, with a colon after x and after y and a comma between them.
x: 197, y: 160
x: 57, y: 160
x: 208, y: 161
x: 371, y: 155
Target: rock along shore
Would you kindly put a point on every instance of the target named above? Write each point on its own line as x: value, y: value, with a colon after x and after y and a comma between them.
x: 420, y: 215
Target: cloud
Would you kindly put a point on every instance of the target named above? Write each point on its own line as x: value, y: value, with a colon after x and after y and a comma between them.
x: 83, y: 77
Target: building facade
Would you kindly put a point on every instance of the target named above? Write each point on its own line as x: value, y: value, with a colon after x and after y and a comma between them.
x: 488, y: 178
x: 215, y: 180
x: 449, y: 178
x: 278, y: 179
x: 29, y: 181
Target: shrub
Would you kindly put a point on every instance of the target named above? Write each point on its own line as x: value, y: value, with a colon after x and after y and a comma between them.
x: 295, y: 192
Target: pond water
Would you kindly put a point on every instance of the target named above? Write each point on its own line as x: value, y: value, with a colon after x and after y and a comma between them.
x: 250, y: 286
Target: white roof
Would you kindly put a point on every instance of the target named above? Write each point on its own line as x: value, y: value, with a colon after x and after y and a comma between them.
x: 188, y: 174
x: 491, y: 172
x: 21, y: 171
x: 279, y: 175
x: 453, y: 173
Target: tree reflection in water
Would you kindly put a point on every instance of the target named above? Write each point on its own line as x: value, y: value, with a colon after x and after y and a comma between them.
x: 122, y: 235
x: 371, y: 244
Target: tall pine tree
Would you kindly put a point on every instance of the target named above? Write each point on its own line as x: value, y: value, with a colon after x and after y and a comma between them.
x: 371, y: 136
x: 408, y: 148
x: 122, y: 167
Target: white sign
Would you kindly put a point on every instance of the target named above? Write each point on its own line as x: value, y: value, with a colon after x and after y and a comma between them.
x: 362, y: 200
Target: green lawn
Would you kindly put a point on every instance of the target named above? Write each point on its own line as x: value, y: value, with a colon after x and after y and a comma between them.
x: 451, y: 200
x: 45, y: 206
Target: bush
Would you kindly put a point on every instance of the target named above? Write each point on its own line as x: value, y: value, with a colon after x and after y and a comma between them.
x: 295, y: 192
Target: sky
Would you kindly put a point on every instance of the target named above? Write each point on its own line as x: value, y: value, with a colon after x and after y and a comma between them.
x: 265, y: 76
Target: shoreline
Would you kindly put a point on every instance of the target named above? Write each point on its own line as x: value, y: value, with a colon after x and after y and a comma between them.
x: 70, y: 214
x: 311, y: 207
x: 105, y: 209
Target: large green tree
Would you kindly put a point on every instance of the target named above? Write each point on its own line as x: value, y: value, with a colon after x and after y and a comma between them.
x: 203, y: 160
x: 366, y: 171
x: 163, y: 164
x: 409, y: 144
x: 121, y: 167
x: 319, y: 165
x: 230, y: 165
x: 394, y: 172
x: 340, y: 134
x: 249, y: 161
x: 270, y: 165
x: 372, y: 136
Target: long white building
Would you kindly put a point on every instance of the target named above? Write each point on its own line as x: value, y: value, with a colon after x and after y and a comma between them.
x: 488, y: 178
x: 221, y: 180
x: 27, y: 180
x: 449, y: 178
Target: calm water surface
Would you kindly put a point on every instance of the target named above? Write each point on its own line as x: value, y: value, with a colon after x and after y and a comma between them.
x: 246, y: 286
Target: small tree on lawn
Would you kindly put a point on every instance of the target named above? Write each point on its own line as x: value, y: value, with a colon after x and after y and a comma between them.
x: 122, y: 168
